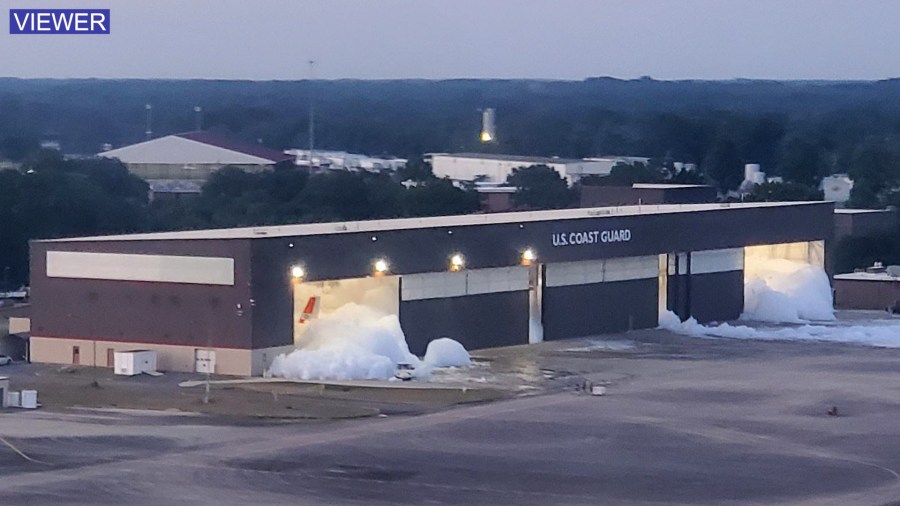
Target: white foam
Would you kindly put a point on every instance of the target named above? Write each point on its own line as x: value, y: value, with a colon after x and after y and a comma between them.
x: 446, y: 352
x: 356, y: 342
x: 786, y: 291
x: 880, y: 333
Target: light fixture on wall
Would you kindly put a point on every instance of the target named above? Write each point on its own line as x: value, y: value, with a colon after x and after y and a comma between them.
x: 298, y: 272
x: 457, y: 262
x: 381, y: 267
x: 528, y: 256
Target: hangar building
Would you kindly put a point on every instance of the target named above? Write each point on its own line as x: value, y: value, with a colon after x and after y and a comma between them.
x: 238, y: 297
x: 193, y: 156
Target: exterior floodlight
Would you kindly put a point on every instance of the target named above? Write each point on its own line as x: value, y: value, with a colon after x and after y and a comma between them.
x: 457, y: 262
x: 486, y: 137
x: 381, y: 266
x: 297, y: 272
x: 528, y: 256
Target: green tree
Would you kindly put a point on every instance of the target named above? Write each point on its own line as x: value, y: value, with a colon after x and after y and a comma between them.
x: 540, y: 187
x: 439, y: 197
x: 626, y: 174
x: 415, y: 169
x: 723, y: 165
x: 875, y: 170
x: 783, y: 192
x: 335, y: 195
x: 801, y: 162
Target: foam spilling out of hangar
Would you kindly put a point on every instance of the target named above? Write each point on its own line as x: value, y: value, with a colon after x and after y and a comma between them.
x: 233, y: 300
x: 352, y: 342
x: 788, y: 284
x: 878, y: 333
x: 357, y: 341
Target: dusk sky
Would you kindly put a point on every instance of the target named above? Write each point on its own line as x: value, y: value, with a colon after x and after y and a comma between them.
x: 437, y: 39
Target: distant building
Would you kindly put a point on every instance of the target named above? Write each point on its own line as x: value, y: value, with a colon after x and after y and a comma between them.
x: 495, y: 197
x: 837, y: 188
x: 496, y: 168
x: 645, y: 193
x: 876, y: 288
x: 193, y: 156
x: 342, y: 160
x: 173, y: 189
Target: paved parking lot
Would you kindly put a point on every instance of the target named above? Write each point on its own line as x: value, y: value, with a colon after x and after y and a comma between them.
x: 683, y: 421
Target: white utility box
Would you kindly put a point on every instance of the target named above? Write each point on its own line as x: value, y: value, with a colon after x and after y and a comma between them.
x: 14, y: 399
x: 29, y: 399
x: 131, y: 363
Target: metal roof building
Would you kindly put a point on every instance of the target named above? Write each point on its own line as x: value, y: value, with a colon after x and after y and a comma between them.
x: 496, y: 168
x: 192, y: 156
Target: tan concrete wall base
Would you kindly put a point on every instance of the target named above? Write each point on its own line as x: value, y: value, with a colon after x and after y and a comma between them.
x: 52, y: 350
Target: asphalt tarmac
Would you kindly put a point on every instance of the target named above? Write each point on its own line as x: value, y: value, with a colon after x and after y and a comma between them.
x: 683, y: 421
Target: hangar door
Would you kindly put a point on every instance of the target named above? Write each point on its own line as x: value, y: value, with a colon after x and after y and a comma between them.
x: 600, y: 296
x: 707, y: 285
x: 480, y: 308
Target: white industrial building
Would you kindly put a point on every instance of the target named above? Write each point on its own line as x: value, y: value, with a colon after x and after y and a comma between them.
x: 496, y: 168
x: 192, y: 156
x: 342, y: 160
x: 837, y: 188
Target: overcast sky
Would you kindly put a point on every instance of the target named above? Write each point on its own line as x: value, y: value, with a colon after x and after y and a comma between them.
x: 436, y: 39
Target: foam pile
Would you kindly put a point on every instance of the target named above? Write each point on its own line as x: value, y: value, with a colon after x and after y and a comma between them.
x: 785, y: 291
x: 446, y: 352
x: 356, y: 342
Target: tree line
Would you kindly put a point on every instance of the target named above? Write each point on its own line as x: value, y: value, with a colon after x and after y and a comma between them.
x: 801, y: 131
x: 50, y: 197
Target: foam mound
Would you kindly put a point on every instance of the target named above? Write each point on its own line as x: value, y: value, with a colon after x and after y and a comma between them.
x: 446, y: 352
x: 785, y: 291
x: 356, y: 342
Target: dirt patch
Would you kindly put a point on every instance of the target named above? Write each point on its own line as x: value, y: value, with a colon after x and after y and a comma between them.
x: 67, y: 387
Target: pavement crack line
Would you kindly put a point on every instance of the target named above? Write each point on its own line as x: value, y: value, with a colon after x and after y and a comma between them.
x: 21, y: 453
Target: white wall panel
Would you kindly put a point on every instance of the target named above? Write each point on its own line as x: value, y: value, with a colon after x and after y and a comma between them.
x: 152, y: 268
x: 720, y: 260
x: 574, y: 273
x: 602, y: 271
x: 456, y: 284
x: 433, y: 285
x: 504, y: 279
x: 623, y: 269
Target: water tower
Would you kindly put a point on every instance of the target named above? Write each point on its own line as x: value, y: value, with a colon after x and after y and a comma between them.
x: 488, y: 128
